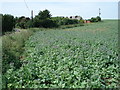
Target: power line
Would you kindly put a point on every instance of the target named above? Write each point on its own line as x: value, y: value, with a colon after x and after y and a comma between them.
x: 26, y: 5
x: 29, y: 10
x: 99, y: 12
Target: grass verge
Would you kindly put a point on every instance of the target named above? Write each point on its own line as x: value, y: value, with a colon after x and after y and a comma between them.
x: 12, y: 48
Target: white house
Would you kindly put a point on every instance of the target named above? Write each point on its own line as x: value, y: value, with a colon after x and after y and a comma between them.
x: 75, y: 17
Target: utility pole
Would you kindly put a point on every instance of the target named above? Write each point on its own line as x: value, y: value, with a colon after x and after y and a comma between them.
x: 99, y: 12
x: 32, y: 17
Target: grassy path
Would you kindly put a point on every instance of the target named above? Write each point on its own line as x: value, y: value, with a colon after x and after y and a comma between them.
x: 80, y: 57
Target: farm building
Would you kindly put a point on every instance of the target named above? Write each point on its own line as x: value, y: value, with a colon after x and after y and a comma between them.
x: 87, y: 21
x: 75, y: 17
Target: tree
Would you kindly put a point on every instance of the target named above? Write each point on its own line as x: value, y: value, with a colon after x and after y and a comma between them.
x: 44, y: 14
x: 43, y: 19
x: 8, y: 23
x: 1, y: 15
x: 98, y: 18
x: 36, y: 22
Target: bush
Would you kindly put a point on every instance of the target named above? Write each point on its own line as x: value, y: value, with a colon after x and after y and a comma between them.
x: 58, y: 20
x: 67, y: 21
x: 94, y: 20
x: 23, y: 22
x: 29, y: 24
x: 48, y: 23
x: 22, y: 25
x: 81, y: 21
x: 97, y: 19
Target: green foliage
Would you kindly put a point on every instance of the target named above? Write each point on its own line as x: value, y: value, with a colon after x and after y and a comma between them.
x: 8, y: 23
x: 1, y: 24
x: 22, y: 25
x: 12, y: 48
x: 58, y: 20
x: 36, y: 22
x: 93, y: 20
x: 23, y: 22
x: 29, y: 24
x: 49, y: 23
x: 97, y: 19
x: 46, y: 23
x: 80, y: 57
x: 65, y: 21
x: 44, y: 14
x: 81, y: 21
x: 43, y: 19
x: 0, y: 62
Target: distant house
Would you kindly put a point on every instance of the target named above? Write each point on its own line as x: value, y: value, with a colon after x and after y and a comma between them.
x: 87, y: 21
x: 75, y: 17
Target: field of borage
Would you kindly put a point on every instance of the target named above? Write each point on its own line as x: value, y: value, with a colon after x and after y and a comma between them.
x: 80, y: 57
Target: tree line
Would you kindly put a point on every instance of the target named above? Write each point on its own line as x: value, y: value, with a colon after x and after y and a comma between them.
x: 43, y: 19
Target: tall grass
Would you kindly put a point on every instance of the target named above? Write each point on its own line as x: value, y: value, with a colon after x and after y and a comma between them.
x: 0, y: 63
x: 12, y: 48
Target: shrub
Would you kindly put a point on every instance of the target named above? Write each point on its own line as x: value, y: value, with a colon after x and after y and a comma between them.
x: 68, y: 21
x: 97, y: 19
x: 22, y: 25
x: 94, y: 19
x: 58, y: 20
x: 81, y: 21
x: 23, y: 22
x: 65, y: 21
x: 29, y: 24
x: 48, y: 23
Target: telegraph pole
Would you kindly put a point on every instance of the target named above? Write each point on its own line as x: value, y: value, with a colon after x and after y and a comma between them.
x: 32, y: 17
x: 29, y: 11
x: 99, y: 12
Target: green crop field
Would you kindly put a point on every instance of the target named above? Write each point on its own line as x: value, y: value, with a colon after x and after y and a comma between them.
x: 79, y: 57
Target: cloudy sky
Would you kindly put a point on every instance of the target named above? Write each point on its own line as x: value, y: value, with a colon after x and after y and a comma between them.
x: 109, y: 8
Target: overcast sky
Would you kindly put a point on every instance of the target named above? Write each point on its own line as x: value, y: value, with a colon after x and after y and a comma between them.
x: 109, y: 8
